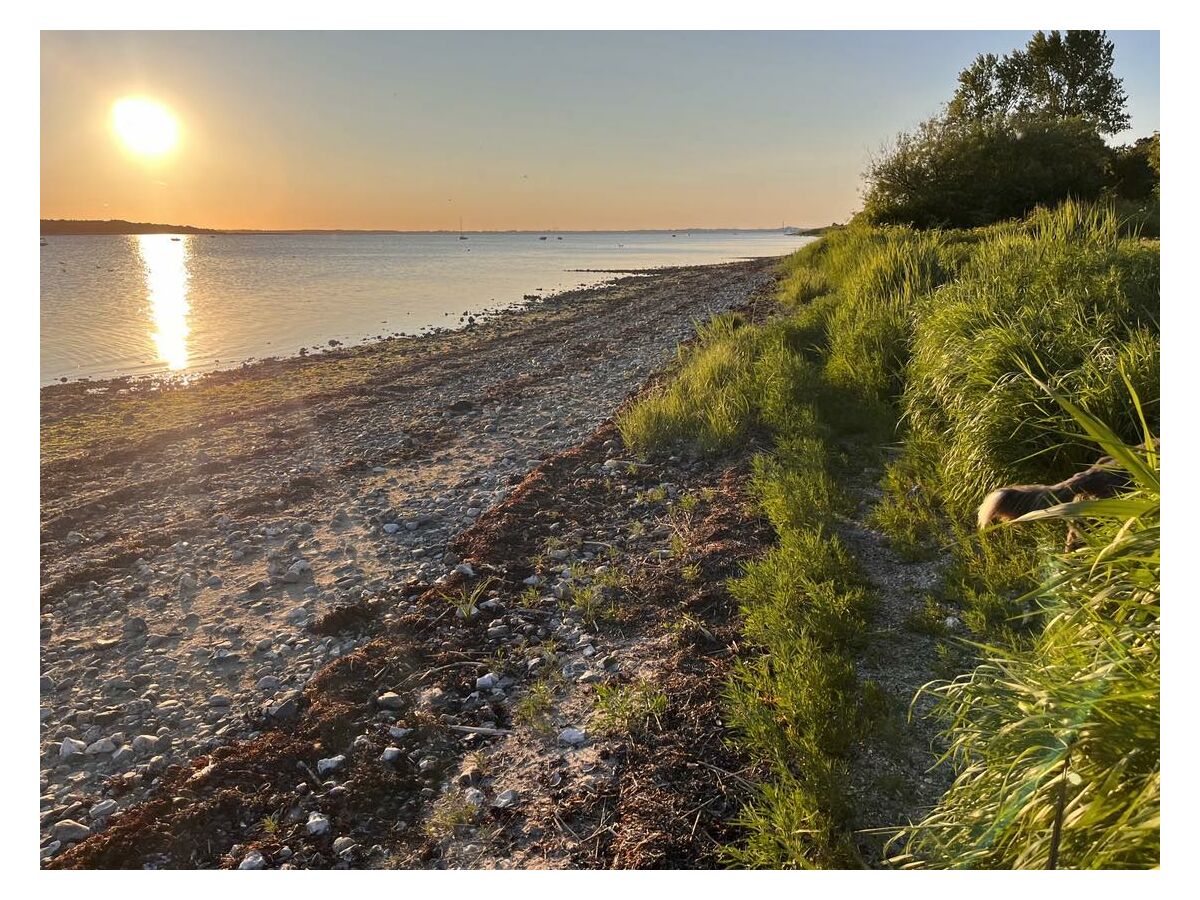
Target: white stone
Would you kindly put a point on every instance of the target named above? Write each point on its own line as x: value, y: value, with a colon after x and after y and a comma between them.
x: 317, y: 824
x: 69, y: 830
x: 253, y: 860
x: 145, y: 743
x: 69, y: 747
x: 572, y: 737
x: 330, y: 764
x: 103, y: 809
x: 487, y: 682
x: 474, y: 797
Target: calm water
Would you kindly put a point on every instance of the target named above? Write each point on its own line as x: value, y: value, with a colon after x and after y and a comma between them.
x: 157, y: 304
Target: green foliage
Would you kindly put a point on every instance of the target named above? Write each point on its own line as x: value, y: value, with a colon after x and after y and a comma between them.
x: 1057, y: 76
x: 870, y: 329
x: 1057, y: 745
x: 710, y: 401
x: 628, y: 709
x: 1063, y: 296
x: 1022, y: 131
x: 536, y: 708
x: 1133, y: 170
x: 466, y: 600
x: 934, y: 333
x: 953, y: 174
x: 788, y: 828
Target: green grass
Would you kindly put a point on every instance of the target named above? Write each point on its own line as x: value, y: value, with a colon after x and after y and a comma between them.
x: 1057, y: 745
x: 536, y: 708
x: 628, y: 709
x: 929, y: 340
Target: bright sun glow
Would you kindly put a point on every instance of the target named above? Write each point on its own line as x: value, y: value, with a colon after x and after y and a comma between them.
x: 144, y: 126
x: 165, y: 259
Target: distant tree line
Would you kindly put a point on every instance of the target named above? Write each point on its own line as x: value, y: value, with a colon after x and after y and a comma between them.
x: 116, y: 226
x: 1022, y: 130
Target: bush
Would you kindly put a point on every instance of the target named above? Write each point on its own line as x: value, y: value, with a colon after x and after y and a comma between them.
x: 944, y: 329
x: 1133, y: 170
x: 967, y: 174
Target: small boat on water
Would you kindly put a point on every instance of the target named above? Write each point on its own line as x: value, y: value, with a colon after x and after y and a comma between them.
x: 44, y: 242
x: 542, y: 238
x: 461, y: 236
x: 174, y: 238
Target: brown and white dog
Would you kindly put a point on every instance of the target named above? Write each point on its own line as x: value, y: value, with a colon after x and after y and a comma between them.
x: 1097, y: 482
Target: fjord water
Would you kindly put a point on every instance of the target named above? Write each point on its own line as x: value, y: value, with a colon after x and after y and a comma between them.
x: 177, y: 304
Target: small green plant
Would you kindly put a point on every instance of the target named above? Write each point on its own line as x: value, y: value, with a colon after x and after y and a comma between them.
x: 677, y: 545
x: 497, y: 660
x: 466, y: 600
x: 535, y: 709
x: 269, y: 824
x: 450, y: 814
x: 650, y: 496
x: 628, y: 709
x: 929, y: 619
x: 689, y: 630
x: 476, y: 760
x: 612, y: 578
x: 692, y: 572
x: 592, y: 605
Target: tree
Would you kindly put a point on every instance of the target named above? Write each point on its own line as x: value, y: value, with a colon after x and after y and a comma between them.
x: 1059, y: 75
x: 965, y: 174
x: 1134, y: 169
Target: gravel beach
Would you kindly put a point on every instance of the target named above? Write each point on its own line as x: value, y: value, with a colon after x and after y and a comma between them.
x: 193, y: 537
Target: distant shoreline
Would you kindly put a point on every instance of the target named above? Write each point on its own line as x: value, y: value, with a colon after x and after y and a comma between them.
x: 65, y: 227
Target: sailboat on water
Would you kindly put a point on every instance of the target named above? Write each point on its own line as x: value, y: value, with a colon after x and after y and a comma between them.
x: 461, y: 236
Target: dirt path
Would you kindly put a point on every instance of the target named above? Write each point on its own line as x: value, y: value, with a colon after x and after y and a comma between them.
x: 891, y: 782
x: 195, y: 541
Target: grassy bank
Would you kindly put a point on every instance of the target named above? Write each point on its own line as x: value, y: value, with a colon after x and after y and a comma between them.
x: 951, y: 345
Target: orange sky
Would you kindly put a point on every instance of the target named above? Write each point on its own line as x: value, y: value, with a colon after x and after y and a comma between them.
x: 507, y: 130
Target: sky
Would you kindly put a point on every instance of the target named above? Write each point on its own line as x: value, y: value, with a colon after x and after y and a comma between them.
x: 505, y: 130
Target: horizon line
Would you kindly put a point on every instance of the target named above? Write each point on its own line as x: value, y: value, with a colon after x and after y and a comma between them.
x: 160, y: 227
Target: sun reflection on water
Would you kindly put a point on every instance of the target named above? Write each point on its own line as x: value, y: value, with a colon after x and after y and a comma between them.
x: 165, y: 261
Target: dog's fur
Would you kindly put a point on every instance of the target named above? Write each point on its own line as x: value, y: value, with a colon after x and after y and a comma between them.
x: 1097, y: 482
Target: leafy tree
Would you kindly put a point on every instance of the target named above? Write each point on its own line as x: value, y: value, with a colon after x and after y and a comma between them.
x: 1059, y: 75
x: 1134, y: 169
x: 965, y: 174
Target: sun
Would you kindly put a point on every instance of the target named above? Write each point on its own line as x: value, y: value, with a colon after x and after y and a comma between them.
x: 144, y: 126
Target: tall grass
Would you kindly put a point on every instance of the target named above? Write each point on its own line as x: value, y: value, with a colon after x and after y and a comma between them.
x: 1065, y: 297
x: 1057, y: 745
x: 929, y: 338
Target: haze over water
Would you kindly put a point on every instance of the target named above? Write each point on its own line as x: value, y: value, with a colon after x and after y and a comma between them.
x: 164, y: 304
